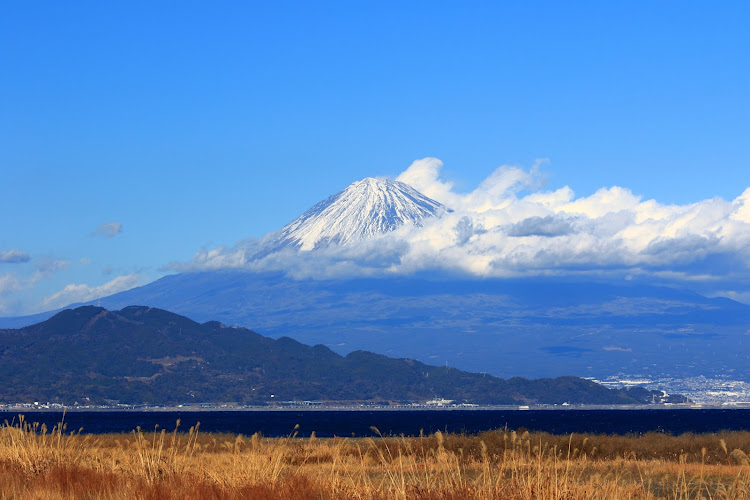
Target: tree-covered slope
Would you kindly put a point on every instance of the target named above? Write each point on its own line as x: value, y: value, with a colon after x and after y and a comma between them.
x: 148, y: 355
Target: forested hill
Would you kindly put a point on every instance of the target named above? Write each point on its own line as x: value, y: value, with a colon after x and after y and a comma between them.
x: 144, y: 355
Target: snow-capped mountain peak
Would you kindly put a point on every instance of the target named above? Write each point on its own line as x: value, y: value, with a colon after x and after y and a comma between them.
x: 364, y: 209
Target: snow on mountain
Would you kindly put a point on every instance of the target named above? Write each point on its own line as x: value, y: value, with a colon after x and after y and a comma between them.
x: 366, y: 208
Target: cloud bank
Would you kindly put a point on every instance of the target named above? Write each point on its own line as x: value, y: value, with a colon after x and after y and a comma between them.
x: 74, y: 293
x: 509, y: 226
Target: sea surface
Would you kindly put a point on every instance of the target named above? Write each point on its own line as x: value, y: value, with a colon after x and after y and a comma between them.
x: 329, y: 423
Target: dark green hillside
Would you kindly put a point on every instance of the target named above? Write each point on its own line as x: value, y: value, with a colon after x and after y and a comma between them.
x: 146, y: 355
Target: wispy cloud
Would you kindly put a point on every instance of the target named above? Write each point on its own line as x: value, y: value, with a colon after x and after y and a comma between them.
x: 108, y: 229
x: 9, y: 283
x: 47, y: 266
x: 616, y: 348
x: 74, y: 292
x: 235, y: 257
x: 14, y: 256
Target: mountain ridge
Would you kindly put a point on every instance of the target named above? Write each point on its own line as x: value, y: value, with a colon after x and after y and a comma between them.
x: 143, y: 355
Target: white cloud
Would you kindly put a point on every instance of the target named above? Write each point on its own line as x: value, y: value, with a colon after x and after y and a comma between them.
x: 742, y: 207
x: 494, y: 193
x: 554, y: 232
x: 423, y: 175
x: 108, y: 229
x: 14, y: 256
x: 604, y: 201
x: 74, y: 293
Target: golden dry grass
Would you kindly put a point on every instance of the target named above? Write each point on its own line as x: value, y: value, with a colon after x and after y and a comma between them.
x: 42, y: 464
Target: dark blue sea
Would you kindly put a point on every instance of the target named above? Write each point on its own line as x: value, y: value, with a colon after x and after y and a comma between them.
x: 329, y: 423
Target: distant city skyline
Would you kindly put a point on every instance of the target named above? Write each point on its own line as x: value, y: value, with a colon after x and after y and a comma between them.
x: 134, y: 136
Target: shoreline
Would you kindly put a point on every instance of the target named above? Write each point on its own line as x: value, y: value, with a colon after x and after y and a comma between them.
x: 215, y: 407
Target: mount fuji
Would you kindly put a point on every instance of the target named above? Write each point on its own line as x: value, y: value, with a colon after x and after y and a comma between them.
x: 366, y: 209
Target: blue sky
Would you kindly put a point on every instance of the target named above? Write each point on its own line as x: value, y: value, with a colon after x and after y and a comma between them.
x: 187, y: 125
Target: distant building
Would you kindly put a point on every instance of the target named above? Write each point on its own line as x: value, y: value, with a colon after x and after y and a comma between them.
x: 439, y: 402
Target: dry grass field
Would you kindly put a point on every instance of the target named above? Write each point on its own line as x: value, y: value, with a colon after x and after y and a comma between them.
x: 59, y: 464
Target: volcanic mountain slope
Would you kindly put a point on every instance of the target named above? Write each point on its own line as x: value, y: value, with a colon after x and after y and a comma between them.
x: 365, y: 209
x: 530, y: 328
x: 145, y: 355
